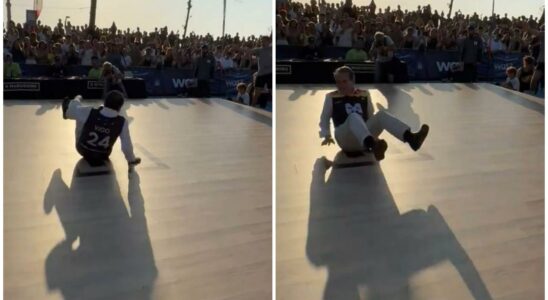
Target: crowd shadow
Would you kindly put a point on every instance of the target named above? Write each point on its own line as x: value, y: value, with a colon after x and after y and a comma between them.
x: 516, y: 98
x: 242, y: 110
x: 297, y: 93
x: 356, y: 231
x: 399, y: 104
x: 106, y: 252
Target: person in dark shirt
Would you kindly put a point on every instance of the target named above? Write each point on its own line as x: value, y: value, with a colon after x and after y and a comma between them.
x: 471, y: 50
x: 73, y: 58
x: 357, y: 127
x: 57, y: 70
x: 204, y: 67
x: 525, y: 73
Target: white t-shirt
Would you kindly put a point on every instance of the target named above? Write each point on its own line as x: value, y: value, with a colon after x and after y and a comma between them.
x: 243, y: 97
x: 126, y: 61
x: 226, y: 63
x: 497, y: 46
x: 514, y: 82
x: 86, y: 57
x: 345, y: 38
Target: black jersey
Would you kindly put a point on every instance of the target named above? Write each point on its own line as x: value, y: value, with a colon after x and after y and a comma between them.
x: 100, y: 133
x: 345, y: 105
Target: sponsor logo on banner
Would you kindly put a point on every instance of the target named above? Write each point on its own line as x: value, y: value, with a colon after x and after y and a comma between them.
x: 180, y: 83
x: 22, y: 86
x: 502, y: 67
x: 95, y: 85
x: 446, y: 66
x: 283, y: 69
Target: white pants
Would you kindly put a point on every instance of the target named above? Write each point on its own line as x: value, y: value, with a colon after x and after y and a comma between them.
x: 354, y: 130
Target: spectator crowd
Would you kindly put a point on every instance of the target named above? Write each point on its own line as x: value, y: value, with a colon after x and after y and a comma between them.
x: 372, y: 33
x: 347, y: 25
x: 69, y: 45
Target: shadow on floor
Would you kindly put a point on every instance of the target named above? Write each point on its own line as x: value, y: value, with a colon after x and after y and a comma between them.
x: 106, y: 252
x: 356, y: 231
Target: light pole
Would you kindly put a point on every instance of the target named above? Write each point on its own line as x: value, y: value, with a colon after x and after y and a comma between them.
x: 224, y: 16
x: 92, y: 12
x: 8, y: 8
x: 189, y: 6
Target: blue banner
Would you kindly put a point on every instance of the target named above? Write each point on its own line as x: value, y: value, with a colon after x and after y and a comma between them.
x: 427, y: 65
x: 165, y: 82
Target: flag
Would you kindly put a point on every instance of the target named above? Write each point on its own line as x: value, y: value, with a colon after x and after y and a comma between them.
x: 38, y: 7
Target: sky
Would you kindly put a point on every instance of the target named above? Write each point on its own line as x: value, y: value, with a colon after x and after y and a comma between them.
x: 206, y: 16
x: 482, y: 7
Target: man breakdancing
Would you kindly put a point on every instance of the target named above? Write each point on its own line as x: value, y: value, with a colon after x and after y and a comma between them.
x: 97, y: 129
x: 357, y: 128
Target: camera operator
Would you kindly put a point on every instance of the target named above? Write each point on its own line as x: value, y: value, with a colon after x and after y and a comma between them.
x: 471, y: 49
x: 382, y: 51
x: 311, y: 51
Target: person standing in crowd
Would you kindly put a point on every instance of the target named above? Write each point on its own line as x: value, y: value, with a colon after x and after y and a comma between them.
x: 112, y: 77
x: 357, y: 54
x: 57, y: 70
x: 264, y: 73
x: 86, y: 54
x: 204, y: 68
x: 11, y: 69
x: 382, y: 51
x: 525, y: 73
x: 95, y: 71
x: 539, y: 69
x: 470, y: 54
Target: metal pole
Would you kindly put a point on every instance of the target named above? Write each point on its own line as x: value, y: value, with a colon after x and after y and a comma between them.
x: 450, y: 9
x: 493, y: 11
x: 8, y: 8
x: 224, y: 16
x: 187, y: 15
x: 92, y: 14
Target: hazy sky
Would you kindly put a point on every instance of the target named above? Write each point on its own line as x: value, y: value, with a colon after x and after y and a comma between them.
x: 206, y: 16
x: 512, y: 7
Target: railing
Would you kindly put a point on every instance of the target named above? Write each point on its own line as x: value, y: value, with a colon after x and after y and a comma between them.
x: 426, y: 65
x: 160, y: 82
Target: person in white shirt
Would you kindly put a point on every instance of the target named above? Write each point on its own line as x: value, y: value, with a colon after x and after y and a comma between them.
x: 343, y: 36
x: 97, y: 129
x: 226, y: 61
x: 243, y: 96
x: 86, y: 54
x: 512, y: 81
x: 357, y: 127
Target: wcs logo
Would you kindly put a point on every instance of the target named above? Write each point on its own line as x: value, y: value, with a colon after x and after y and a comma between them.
x: 356, y: 108
x: 446, y: 66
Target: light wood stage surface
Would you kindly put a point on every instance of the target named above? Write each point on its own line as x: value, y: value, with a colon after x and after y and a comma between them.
x: 194, y: 221
x: 462, y: 218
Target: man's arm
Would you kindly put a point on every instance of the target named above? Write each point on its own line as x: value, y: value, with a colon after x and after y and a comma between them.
x: 127, y: 145
x: 75, y: 110
x: 325, y: 118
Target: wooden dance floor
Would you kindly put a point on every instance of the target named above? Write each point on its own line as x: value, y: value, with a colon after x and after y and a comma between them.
x: 462, y: 218
x: 194, y: 221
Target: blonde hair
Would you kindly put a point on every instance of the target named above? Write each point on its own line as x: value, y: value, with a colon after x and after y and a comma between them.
x: 346, y: 70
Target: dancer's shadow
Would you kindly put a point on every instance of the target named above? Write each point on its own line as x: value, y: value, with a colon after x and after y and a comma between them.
x: 399, y: 105
x: 106, y: 252
x: 356, y: 231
